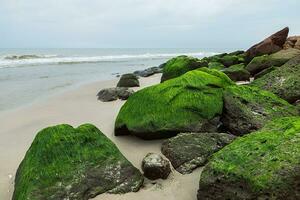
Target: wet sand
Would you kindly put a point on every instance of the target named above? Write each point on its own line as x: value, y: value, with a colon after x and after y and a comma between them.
x: 19, y: 127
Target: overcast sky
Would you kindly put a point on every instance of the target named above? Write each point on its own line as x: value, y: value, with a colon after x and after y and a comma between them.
x: 143, y: 23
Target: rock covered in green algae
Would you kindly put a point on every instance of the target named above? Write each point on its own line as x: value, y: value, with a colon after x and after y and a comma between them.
x: 283, y: 81
x: 184, y: 104
x: 73, y: 163
x: 237, y: 72
x: 262, y: 165
x: 230, y: 60
x: 128, y: 80
x: 277, y: 59
x: 247, y: 109
x: 180, y: 65
x: 188, y: 151
x: 227, y: 60
x: 215, y: 65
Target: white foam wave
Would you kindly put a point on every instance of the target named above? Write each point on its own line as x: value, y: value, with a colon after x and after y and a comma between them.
x: 33, y: 60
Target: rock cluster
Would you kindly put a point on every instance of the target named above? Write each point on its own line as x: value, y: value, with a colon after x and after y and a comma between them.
x: 261, y: 165
x: 246, y: 136
x: 149, y: 71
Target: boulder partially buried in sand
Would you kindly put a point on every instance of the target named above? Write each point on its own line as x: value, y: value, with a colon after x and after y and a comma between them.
x: 247, y: 109
x: 188, y: 103
x: 261, y: 165
x: 187, y: 151
x: 128, y: 80
x: 155, y: 166
x: 74, y: 163
x: 112, y: 94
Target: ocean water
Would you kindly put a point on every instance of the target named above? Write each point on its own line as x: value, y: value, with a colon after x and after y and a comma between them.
x: 28, y: 75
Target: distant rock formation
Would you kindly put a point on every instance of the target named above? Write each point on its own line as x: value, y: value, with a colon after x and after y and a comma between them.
x: 269, y: 45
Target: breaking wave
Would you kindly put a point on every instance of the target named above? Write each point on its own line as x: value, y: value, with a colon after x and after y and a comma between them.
x: 33, y: 60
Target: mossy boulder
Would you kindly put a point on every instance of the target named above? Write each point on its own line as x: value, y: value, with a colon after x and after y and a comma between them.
x: 264, y: 72
x: 180, y: 65
x: 237, y: 72
x: 215, y: 65
x: 247, y: 109
x: 262, y: 165
x: 128, y: 80
x: 277, y: 59
x: 73, y: 163
x: 230, y: 60
x: 187, y: 151
x: 284, y: 81
x: 184, y: 104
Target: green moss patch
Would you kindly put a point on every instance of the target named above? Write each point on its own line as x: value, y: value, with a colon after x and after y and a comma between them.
x: 68, y: 163
x: 283, y: 81
x: 247, y: 109
x: 237, y: 72
x: 277, y: 59
x: 182, y: 104
x: 262, y: 165
x: 180, y: 65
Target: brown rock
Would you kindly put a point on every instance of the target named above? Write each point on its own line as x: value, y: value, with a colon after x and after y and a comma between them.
x: 297, y: 44
x: 270, y: 45
x: 292, y: 42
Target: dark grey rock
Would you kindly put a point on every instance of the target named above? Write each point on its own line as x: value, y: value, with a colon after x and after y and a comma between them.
x: 148, y: 72
x: 112, y: 94
x: 187, y: 151
x: 128, y: 80
x: 155, y: 167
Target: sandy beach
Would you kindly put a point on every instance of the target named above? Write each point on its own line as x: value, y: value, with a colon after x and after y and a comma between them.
x: 19, y: 127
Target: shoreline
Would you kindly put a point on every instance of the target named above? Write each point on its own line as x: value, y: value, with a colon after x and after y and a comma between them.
x: 51, y: 95
x: 76, y: 107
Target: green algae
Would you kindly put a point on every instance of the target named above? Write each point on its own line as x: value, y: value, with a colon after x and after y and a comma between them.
x: 61, y: 159
x: 283, y: 81
x: 237, y: 72
x: 261, y: 164
x: 153, y: 112
x: 180, y: 65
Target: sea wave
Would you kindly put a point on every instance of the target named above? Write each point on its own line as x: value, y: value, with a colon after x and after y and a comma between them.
x: 27, y: 56
x: 33, y: 60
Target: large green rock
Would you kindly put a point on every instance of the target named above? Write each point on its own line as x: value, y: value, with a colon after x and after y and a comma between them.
x: 237, y: 72
x: 262, y: 165
x: 73, y: 163
x: 277, y: 59
x: 283, y: 81
x: 247, y: 109
x: 187, y: 151
x: 188, y: 103
x: 180, y: 65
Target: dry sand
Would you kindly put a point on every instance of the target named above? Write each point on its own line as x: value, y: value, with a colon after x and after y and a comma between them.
x: 18, y: 129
